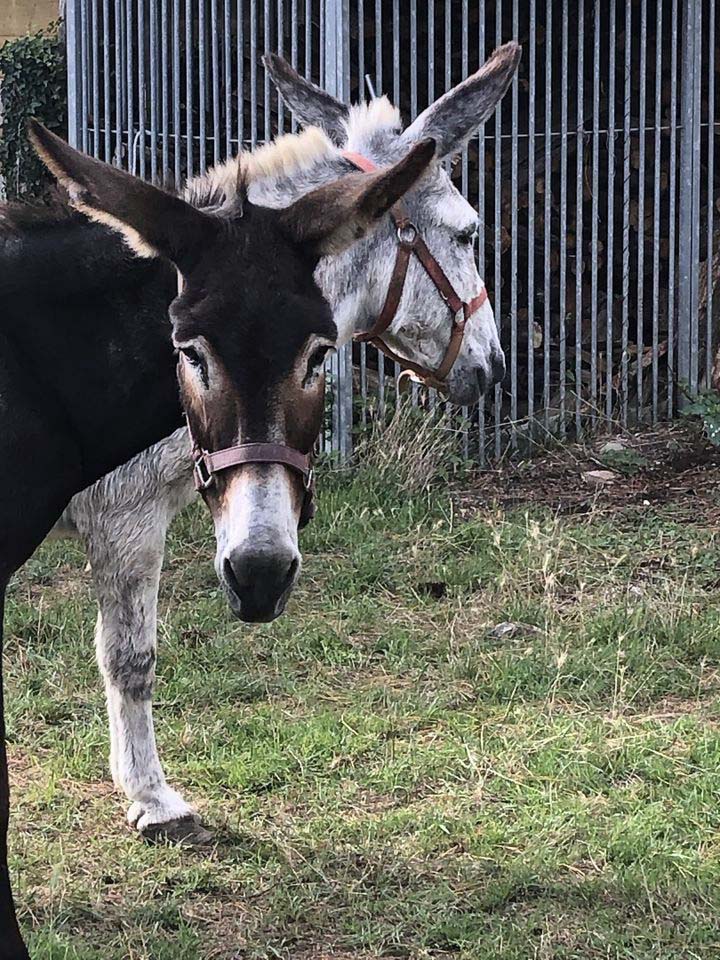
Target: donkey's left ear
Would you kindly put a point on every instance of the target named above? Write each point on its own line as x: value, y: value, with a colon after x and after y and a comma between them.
x: 455, y: 117
x: 310, y: 105
x: 153, y: 222
x: 330, y: 219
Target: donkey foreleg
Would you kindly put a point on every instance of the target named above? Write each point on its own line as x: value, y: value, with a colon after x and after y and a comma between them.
x: 11, y: 943
x: 125, y: 641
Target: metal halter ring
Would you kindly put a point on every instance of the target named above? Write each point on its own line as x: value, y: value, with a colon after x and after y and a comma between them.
x: 407, y: 234
x: 204, y: 477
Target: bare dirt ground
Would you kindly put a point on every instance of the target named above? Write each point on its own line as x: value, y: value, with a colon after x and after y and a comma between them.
x: 671, y: 466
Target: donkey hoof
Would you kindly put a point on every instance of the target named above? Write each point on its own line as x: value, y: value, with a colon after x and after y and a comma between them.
x: 185, y: 831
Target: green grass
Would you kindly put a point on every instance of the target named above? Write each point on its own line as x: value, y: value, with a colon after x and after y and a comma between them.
x: 383, y: 776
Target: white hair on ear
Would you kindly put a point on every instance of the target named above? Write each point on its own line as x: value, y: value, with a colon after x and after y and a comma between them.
x: 364, y: 119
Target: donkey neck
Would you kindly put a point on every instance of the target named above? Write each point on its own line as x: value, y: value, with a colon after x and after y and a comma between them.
x: 87, y: 325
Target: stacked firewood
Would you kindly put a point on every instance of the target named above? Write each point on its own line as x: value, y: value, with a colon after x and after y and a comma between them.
x: 640, y: 260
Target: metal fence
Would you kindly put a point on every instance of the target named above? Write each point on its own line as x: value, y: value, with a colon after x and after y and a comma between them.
x: 597, y: 183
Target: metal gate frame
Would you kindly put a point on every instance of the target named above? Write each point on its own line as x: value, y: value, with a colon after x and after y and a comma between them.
x: 335, y: 53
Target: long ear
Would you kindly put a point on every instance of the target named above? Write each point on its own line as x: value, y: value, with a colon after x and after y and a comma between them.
x: 333, y: 217
x: 311, y: 105
x: 454, y: 118
x: 153, y: 222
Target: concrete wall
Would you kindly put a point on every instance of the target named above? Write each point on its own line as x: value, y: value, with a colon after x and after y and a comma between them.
x: 18, y: 17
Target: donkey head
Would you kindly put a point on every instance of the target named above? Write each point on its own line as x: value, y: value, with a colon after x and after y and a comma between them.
x: 251, y: 329
x: 421, y: 327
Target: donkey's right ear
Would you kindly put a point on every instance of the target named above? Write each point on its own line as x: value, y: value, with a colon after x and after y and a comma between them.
x: 310, y: 105
x: 153, y: 222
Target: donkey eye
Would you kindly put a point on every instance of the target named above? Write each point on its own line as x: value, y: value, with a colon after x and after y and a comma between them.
x: 467, y: 237
x: 315, y: 362
x: 192, y: 356
x: 317, y: 358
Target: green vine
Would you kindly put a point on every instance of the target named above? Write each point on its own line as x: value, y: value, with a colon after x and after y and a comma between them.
x: 33, y: 84
x: 706, y: 406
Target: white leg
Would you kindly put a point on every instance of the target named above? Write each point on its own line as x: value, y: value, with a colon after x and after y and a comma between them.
x: 123, y: 520
x: 125, y: 641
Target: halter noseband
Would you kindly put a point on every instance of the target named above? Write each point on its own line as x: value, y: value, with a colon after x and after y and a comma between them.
x: 409, y: 242
x: 207, y: 464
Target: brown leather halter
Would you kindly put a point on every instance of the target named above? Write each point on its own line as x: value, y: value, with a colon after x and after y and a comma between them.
x: 409, y: 242
x: 207, y: 464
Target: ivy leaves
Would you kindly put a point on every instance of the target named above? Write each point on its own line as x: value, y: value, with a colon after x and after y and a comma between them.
x: 33, y: 78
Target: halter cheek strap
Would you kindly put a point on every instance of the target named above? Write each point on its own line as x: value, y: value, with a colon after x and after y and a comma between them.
x: 410, y: 242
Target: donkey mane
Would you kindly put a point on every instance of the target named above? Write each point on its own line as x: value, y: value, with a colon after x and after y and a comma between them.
x: 284, y: 157
x: 289, y: 155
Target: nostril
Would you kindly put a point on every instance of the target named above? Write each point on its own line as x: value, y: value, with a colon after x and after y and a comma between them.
x: 291, y: 572
x: 498, y: 367
x: 230, y: 578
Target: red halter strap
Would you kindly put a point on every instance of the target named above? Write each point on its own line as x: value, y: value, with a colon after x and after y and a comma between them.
x: 409, y: 242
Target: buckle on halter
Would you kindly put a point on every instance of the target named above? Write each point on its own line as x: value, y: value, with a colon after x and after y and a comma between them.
x: 204, y: 477
x: 308, y: 480
x: 407, y: 234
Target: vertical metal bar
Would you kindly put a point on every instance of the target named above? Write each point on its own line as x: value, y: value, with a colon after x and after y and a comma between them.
x: 119, y: 80
x: 709, y: 276
x: 464, y: 187
x: 579, y: 246
x: 482, y: 433
x: 215, y: 66
x: 95, y: 76
x: 308, y: 39
x: 640, y: 334
x: 202, y: 85
x: 154, y: 52
x: 378, y: 90
x: 267, y: 127
x: 396, y: 100
x: 72, y: 38
x: 336, y: 80
x: 214, y: 93
x: 689, y: 199
x: 177, y: 122
x: 240, y: 53
x: 609, y: 289
x: 227, y: 75
x: 107, y: 110
x: 130, y: 83
x: 563, y: 215
x: 626, y: 217
x: 656, y: 212
x: 84, y: 71
x: 672, y: 215
x: 396, y: 50
x: 361, y: 97
x: 165, y: 82
x: 142, y: 89
x: 188, y: 89
x: 594, y: 226
x: 514, y: 246
x: 253, y: 74
x: 413, y: 58
x: 294, y: 48
x: 279, y: 46
x: 532, y: 81
x: 498, y: 233
x: 547, y: 215
x: 430, y: 51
